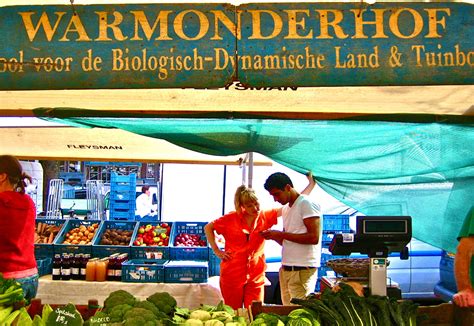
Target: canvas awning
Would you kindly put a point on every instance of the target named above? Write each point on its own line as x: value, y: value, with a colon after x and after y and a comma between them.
x: 63, y: 143
x: 302, y: 103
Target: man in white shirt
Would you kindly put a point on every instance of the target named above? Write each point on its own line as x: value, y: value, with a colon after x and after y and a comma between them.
x: 144, y: 206
x: 300, y: 238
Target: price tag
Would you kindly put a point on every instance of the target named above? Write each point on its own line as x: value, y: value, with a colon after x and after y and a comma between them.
x: 67, y: 315
x: 99, y: 321
x: 347, y: 237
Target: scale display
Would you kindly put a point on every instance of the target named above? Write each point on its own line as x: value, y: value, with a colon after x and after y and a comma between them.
x: 384, y: 225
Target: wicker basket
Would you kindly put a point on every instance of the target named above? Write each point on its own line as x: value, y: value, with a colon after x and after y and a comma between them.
x: 350, y: 267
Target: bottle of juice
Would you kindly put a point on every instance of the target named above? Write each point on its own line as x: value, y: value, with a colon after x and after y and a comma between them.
x: 101, y: 270
x: 91, y: 269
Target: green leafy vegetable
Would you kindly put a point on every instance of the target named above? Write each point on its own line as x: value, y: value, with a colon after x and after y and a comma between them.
x: 11, y: 292
x: 118, y: 297
x: 346, y: 307
x: 164, y: 302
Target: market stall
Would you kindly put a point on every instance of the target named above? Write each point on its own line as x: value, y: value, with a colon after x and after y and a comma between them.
x: 378, y: 149
x: 79, y: 292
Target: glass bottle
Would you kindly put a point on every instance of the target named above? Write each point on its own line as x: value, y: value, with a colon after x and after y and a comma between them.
x: 82, y: 270
x: 118, y: 270
x: 101, y: 270
x: 90, y: 269
x: 75, y: 266
x: 66, y: 268
x: 56, y: 273
x: 112, y: 265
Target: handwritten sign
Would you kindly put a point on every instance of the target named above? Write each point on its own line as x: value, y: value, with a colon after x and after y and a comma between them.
x: 213, y: 45
x: 66, y: 315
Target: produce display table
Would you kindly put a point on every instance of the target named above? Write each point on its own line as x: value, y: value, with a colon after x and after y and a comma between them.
x: 189, y: 295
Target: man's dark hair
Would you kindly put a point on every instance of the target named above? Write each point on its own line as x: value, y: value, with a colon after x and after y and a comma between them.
x: 277, y: 180
x: 145, y: 189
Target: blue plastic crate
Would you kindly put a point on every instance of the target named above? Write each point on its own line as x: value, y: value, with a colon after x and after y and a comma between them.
x: 123, y: 204
x: 214, y: 264
x: 186, y: 271
x: 121, y: 215
x: 47, y: 249
x: 45, y: 266
x: 105, y: 250
x: 322, y: 271
x: 143, y: 270
x: 60, y: 247
x: 446, y: 272
x: 122, y: 195
x: 123, y: 187
x: 336, y: 223
x: 329, y: 235
x: 188, y: 253
x: 150, y: 252
x: 118, y: 178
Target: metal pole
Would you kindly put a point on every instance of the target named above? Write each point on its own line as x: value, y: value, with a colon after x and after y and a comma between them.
x: 244, y: 170
x: 250, y: 180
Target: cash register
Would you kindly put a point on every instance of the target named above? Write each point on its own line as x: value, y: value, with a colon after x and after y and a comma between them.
x: 377, y: 237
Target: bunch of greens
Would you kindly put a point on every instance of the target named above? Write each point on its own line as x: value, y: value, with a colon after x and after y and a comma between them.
x: 12, y: 302
x: 209, y: 315
x: 122, y: 308
x: 11, y: 292
x: 345, y: 307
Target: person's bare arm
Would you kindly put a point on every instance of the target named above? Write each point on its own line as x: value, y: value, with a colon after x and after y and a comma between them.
x: 209, y: 231
x: 311, y: 184
x: 462, y: 263
x: 311, y: 236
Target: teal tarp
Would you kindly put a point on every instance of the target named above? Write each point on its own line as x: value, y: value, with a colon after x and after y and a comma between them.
x: 425, y: 170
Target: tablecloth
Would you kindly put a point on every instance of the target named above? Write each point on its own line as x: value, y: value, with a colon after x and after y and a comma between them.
x: 188, y: 295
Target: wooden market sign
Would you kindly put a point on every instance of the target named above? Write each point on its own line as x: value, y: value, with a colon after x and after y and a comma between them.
x: 211, y: 45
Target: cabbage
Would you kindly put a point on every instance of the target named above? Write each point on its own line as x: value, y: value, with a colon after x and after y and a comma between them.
x: 301, y: 317
x: 200, y: 314
x: 193, y: 322
x: 299, y: 321
x: 213, y: 322
x: 223, y: 316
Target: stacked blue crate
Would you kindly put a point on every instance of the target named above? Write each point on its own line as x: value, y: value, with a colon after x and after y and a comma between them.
x: 332, y: 224
x: 122, y: 197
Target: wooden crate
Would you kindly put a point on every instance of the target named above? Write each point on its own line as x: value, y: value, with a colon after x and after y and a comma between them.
x: 446, y: 314
x: 441, y: 315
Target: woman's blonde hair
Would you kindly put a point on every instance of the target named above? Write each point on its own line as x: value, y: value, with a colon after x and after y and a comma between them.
x: 243, y: 194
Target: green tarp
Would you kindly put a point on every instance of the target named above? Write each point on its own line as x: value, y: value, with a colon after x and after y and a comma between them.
x: 423, y: 169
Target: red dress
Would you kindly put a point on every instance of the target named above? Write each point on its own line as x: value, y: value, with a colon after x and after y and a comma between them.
x: 242, y: 278
x: 17, y: 230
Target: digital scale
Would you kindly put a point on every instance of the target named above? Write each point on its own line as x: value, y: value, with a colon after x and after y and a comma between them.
x: 377, y: 237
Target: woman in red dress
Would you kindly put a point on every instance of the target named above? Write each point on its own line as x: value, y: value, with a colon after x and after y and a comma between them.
x: 17, y: 227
